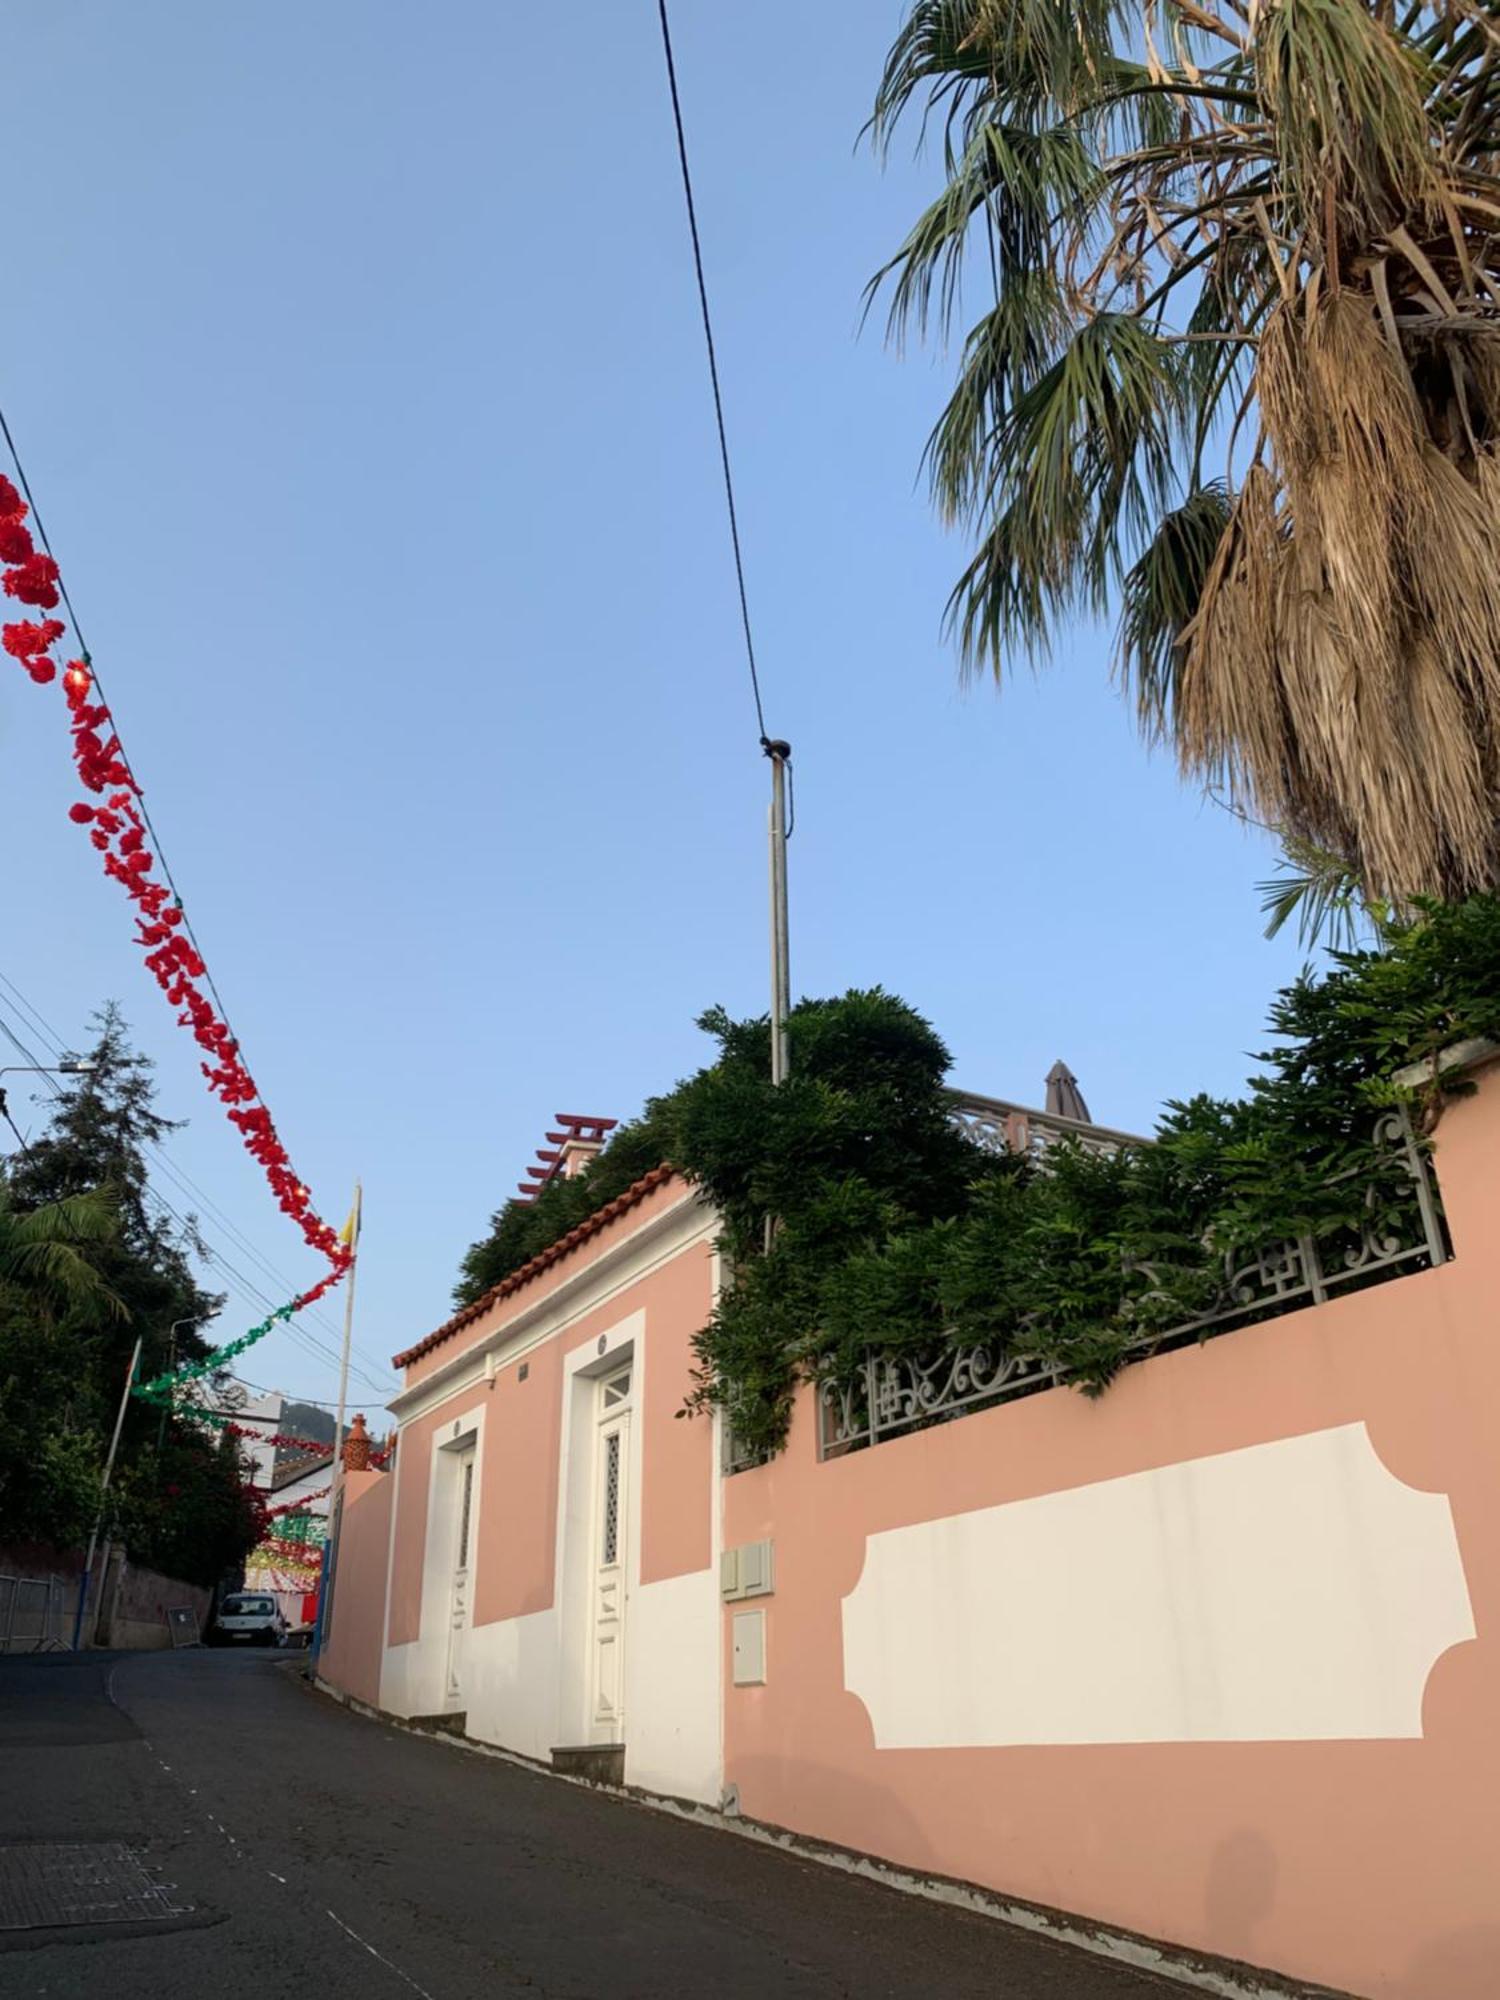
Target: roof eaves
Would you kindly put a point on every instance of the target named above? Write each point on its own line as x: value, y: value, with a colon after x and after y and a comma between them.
x: 543, y: 1261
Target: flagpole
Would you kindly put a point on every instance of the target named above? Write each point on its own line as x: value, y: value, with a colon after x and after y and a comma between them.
x: 338, y: 1433
x: 336, y: 1470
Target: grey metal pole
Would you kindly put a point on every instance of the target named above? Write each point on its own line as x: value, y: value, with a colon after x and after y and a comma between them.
x: 109, y: 1466
x: 161, y: 1428
x: 781, y: 975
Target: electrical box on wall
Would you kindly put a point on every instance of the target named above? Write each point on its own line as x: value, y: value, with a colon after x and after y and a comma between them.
x: 747, y: 1571
x: 749, y: 1648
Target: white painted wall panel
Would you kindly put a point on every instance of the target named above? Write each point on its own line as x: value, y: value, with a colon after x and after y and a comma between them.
x: 1292, y: 1590
x: 672, y: 1695
x: 512, y: 1677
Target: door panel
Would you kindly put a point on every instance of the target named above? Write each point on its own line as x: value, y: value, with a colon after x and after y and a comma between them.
x: 608, y: 1578
x: 459, y: 1612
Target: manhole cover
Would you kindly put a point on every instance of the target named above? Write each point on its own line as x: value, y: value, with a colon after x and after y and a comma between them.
x: 100, y: 1882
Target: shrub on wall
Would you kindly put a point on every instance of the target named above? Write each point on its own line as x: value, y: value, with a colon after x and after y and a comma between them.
x: 890, y: 1228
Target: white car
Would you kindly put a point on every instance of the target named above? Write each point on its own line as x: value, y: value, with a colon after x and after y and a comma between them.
x: 248, y: 1619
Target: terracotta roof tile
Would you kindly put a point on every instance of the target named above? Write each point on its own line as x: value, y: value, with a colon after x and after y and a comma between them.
x: 544, y: 1260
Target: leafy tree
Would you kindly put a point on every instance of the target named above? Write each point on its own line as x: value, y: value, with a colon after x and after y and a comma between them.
x: 49, y: 1275
x: 101, y: 1126
x: 1237, y: 375
x: 87, y: 1264
x: 187, y: 1512
x: 49, y: 1256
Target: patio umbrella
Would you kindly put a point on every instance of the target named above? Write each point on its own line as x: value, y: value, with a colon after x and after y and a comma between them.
x: 1064, y: 1098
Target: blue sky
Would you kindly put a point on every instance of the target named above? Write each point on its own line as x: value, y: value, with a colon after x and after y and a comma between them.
x: 355, y: 359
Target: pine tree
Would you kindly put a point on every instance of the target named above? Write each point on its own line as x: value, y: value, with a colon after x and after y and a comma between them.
x: 63, y: 1362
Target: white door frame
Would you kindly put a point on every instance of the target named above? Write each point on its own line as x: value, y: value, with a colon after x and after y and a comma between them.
x: 429, y: 1690
x: 609, y: 1592
x: 461, y: 1572
x: 578, y: 1522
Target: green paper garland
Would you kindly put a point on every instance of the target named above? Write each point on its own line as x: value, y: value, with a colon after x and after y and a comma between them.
x: 162, y: 1388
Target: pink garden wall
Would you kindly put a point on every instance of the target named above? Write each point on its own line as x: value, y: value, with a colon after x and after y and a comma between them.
x: 1215, y: 1658
x: 350, y: 1656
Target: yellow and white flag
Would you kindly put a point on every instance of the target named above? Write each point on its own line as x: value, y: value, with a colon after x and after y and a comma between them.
x: 349, y: 1234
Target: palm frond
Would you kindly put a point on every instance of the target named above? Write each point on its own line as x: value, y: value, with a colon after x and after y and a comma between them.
x: 1268, y: 232
x: 1162, y: 592
x: 52, y: 1250
x: 1083, y: 456
x: 1320, y: 890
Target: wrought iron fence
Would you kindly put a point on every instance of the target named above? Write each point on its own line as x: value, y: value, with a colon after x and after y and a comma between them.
x: 1396, y: 1228
x: 736, y: 1455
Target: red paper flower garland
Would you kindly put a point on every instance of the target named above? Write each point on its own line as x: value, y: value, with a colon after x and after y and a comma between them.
x: 117, y: 829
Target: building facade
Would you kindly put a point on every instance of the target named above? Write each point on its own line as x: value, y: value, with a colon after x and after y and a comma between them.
x: 1212, y: 1660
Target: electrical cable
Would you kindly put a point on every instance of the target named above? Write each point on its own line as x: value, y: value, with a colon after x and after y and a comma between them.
x: 246, y: 1287
x: 713, y: 368
x: 187, y: 1185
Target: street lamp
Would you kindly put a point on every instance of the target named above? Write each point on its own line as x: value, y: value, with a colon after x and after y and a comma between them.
x: 66, y: 1065
x: 191, y: 1320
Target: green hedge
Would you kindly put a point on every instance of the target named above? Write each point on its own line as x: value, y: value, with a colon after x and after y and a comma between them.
x: 893, y: 1229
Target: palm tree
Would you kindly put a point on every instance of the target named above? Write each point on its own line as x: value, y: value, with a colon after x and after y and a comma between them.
x: 47, y: 1253
x: 1237, y: 378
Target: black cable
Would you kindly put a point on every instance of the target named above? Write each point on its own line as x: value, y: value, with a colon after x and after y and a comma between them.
x: 184, y: 1180
x: 246, y: 1287
x: 83, y: 648
x: 713, y: 366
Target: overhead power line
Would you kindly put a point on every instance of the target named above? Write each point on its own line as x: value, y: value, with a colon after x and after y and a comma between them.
x: 713, y: 367
x: 249, y: 1291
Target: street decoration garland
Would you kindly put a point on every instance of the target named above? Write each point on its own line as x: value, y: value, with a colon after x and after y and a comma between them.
x: 168, y: 1387
x: 117, y: 829
x: 290, y: 1565
x: 299, y: 1506
x: 227, y: 1426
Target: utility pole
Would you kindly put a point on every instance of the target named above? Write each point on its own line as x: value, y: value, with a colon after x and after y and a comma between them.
x: 780, y: 755
x: 781, y: 973
x: 109, y: 1466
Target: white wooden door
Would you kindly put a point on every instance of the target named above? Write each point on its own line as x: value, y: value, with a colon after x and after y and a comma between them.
x: 611, y: 1502
x: 458, y: 1628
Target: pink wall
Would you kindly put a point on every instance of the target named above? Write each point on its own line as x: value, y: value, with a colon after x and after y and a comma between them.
x: 677, y: 1471
x: 351, y: 1656
x: 1373, y: 1865
x: 516, y: 1533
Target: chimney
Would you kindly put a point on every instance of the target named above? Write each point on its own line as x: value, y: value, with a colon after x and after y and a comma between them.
x: 567, y: 1151
x: 357, y: 1447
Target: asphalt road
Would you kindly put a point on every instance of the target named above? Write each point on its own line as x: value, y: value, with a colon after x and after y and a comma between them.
x: 316, y: 1854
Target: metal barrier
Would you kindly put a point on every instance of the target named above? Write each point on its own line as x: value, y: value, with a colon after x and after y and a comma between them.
x: 35, y: 1614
